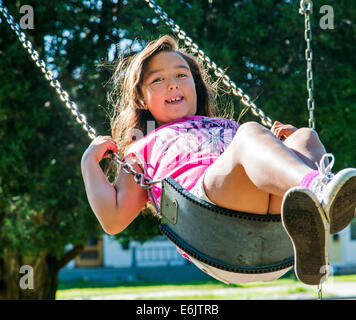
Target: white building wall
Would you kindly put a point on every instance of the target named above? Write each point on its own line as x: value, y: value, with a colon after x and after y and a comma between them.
x: 114, y: 255
x: 348, y: 247
x: 157, y: 252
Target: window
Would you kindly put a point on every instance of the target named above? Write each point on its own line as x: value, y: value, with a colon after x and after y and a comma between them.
x: 92, y: 254
x: 353, y: 229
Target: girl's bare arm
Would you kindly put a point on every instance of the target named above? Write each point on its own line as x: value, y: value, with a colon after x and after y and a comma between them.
x: 114, y: 206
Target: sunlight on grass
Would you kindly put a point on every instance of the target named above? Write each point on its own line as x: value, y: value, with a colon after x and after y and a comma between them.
x: 257, y: 294
x: 84, y: 288
x: 190, y: 290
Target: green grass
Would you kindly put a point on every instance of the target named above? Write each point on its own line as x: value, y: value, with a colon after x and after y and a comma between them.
x: 287, y: 285
x: 255, y: 294
x: 88, y: 289
x: 252, y: 291
x: 348, y: 278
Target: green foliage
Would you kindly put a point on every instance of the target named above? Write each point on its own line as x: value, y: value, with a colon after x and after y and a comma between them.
x: 144, y: 227
x: 43, y: 205
x: 261, y: 43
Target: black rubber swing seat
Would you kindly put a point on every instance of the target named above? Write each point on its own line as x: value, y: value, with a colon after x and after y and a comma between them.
x: 229, y: 240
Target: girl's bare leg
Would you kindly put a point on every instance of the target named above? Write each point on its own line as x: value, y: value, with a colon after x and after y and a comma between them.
x: 306, y: 145
x: 255, y: 165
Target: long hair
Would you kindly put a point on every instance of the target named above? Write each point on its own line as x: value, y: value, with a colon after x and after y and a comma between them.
x: 126, y: 97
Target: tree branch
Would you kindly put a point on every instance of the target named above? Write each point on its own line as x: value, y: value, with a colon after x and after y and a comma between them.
x: 69, y: 256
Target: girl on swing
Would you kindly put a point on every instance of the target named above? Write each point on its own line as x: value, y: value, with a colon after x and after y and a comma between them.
x: 241, y: 167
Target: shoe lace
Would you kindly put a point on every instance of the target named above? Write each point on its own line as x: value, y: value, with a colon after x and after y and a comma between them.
x: 325, y: 175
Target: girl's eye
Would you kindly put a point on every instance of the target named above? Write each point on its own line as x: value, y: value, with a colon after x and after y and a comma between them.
x: 180, y: 75
x: 157, y: 80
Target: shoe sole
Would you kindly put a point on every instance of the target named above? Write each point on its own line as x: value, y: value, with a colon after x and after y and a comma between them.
x: 305, y: 223
x: 342, y: 201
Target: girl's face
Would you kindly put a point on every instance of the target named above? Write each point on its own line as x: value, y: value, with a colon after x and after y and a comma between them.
x: 168, y: 88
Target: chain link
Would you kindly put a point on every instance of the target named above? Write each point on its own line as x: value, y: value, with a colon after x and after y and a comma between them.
x: 145, y: 183
x: 245, y: 99
x: 306, y: 9
x: 320, y: 292
x: 41, y: 64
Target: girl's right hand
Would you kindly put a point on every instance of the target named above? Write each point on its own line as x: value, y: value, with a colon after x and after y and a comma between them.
x: 282, y: 131
x: 101, y: 147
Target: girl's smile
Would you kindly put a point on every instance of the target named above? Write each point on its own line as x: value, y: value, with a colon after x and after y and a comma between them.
x: 175, y: 100
x: 168, y: 87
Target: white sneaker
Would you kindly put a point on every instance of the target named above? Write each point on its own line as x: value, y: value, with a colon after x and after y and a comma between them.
x: 336, y: 193
x: 304, y: 220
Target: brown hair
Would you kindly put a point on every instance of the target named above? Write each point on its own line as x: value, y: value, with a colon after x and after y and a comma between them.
x: 125, y: 97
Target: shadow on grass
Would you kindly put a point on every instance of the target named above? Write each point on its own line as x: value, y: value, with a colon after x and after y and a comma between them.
x: 91, y: 284
x: 63, y: 285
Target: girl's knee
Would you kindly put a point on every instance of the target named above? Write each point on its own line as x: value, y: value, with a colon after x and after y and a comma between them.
x: 247, y: 134
x: 308, y: 132
x: 251, y: 128
x: 306, y: 143
x: 250, y: 125
x: 305, y: 136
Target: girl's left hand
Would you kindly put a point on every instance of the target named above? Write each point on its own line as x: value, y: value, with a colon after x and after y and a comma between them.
x: 282, y: 131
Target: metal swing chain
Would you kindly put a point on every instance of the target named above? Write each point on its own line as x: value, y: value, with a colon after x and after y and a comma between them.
x: 145, y: 183
x: 306, y: 9
x: 41, y: 64
x: 219, y: 72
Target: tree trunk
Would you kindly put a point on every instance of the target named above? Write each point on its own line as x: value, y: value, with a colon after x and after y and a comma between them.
x: 31, y: 277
